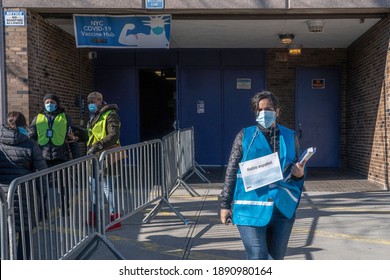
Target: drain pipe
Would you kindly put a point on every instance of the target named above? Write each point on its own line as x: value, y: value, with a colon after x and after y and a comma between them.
x: 386, y: 88
x: 3, y: 92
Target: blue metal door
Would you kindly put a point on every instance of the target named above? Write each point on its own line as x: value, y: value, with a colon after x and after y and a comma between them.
x: 118, y: 86
x: 200, y: 107
x: 318, y: 117
x: 239, y: 86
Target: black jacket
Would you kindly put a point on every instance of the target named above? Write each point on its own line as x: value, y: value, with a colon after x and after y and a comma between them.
x: 18, y: 156
x: 55, y: 153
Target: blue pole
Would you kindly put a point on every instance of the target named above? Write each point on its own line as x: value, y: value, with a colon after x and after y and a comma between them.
x: 3, y: 92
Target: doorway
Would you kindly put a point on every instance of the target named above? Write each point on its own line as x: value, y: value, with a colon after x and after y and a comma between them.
x: 157, y: 95
x: 318, y: 117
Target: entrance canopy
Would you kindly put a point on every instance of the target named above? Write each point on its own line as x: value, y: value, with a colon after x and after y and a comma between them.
x: 235, y: 23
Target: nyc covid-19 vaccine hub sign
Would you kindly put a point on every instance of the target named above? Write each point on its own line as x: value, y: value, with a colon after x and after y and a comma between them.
x: 105, y: 31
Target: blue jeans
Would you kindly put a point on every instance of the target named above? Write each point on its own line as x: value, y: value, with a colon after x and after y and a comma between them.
x: 107, y: 188
x: 270, y: 241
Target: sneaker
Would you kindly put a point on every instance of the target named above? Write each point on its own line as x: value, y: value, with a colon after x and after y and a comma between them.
x: 91, y: 218
x: 113, y: 217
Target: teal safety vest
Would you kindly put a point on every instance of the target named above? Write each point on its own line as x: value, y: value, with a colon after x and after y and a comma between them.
x: 254, y: 208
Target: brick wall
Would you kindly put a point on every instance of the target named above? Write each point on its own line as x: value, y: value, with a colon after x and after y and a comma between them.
x: 281, y: 81
x: 57, y: 66
x: 368, y: 103
x: 41, y: 58
x: 16, y: 71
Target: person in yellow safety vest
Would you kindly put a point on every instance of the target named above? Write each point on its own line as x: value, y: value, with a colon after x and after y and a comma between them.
x: 104, y: 132
x: 52, y: 129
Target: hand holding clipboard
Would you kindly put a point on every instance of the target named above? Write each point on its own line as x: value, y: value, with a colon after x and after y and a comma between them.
x: 306, y: 155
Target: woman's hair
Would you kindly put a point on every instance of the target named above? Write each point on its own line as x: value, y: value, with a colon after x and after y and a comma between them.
x: 15, y: 119
x: 262, y: 95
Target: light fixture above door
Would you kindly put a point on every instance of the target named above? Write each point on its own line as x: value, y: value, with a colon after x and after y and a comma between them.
x: 295, y: 49
x: 286, y: 38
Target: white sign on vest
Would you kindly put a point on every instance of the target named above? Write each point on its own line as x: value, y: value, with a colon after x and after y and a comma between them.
x: 260, y: 172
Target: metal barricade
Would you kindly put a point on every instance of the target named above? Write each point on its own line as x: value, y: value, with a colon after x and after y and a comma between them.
x: 175, y: 161
x: 187, y: 147
x: 3, y: 226
x: 179, y: 156
x: 51, y: 212
x: 133, y: 178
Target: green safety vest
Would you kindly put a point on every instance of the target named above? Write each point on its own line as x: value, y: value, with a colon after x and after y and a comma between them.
x: 98, y: 131
x: 59, y: 129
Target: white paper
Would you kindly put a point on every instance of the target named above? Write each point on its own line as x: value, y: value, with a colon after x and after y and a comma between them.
x: 260, y: 172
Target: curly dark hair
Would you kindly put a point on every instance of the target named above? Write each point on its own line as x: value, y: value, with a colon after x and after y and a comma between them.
x: 16, y: 119
x: 262, y: 95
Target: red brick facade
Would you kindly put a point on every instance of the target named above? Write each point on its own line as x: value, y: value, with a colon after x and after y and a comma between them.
x: 368, y: 104
x: 41, y: 59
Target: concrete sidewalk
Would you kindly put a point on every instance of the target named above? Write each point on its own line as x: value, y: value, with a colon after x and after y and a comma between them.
x: 329, y: 226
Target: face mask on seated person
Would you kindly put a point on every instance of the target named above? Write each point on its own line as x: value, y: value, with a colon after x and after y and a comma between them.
x: 266, y: 118
x: 23, y: 130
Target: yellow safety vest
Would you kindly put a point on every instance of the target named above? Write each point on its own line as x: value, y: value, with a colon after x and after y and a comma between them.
x: 98, y: 131
x: 58, y: 127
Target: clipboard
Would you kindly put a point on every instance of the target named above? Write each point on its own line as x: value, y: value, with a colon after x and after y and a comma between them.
x: 306, y: 155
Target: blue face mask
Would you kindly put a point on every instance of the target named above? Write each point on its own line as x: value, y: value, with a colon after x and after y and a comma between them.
x: 266, y: 118
x: 23, y: 130
x: 50, y: 107
x: 92, y: 108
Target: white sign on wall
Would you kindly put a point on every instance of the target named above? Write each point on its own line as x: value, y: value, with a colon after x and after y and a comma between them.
x: 244, y: 83
x: 14, y: 18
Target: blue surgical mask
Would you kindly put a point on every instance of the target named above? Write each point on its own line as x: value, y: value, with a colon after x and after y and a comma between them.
x: 92, y: 108
x: 266, y: 118
x: 50, y: 107
x: 23, y: 130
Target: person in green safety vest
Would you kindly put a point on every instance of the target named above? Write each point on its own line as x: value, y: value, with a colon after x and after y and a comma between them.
x: 104, y: 132
x: 52, y: 129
